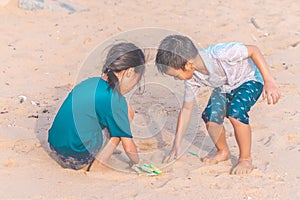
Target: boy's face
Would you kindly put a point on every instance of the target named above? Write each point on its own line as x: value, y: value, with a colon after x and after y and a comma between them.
x: 179, y: 74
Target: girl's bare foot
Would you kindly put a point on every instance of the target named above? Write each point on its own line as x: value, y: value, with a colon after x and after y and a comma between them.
x: 218, y: 157
x: 244, y: 166
x: 117, y: 151
x: 96, y: 166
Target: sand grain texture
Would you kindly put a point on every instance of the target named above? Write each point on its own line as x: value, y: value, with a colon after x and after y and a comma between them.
x: 43, y: 51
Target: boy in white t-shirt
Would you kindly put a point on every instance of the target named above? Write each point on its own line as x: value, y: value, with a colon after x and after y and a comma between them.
x: 237, y: 72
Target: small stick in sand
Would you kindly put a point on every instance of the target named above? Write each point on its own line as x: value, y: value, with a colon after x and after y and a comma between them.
x: 254, y: 23
x: 295, y: 44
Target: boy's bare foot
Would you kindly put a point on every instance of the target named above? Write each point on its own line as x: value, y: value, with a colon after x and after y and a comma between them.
x: 218, y: 157
x: 244, y: 166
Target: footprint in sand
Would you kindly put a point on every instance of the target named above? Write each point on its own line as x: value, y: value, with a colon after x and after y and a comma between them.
x: 149, y: 124
x: 9, y: 163
x: 157, y: 157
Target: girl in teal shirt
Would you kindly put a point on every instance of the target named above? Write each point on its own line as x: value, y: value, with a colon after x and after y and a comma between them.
x: 97, y: 104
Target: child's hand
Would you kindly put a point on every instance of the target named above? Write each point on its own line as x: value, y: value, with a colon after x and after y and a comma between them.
x: 132, y: 163
x: 130, y: 112
x: 172, y: 154
x: 271, y: 92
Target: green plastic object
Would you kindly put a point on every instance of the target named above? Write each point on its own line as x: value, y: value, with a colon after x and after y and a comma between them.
x: 146, y: 169
x: 193, y: 153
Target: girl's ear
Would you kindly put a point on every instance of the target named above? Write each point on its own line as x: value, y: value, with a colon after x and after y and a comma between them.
x: 129, y: 72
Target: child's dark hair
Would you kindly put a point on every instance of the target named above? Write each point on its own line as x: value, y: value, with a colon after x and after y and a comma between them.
x: 121, y: 57
x: 174, y: 51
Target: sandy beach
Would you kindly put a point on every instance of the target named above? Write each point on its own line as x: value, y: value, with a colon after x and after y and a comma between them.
x: 45, y: 52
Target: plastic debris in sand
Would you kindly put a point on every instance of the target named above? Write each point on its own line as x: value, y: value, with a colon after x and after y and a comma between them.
x: 146, y: 169
x: 69, y: 6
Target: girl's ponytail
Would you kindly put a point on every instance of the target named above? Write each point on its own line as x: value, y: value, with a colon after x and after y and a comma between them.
x: 112, y: 79
x: 121, y: 57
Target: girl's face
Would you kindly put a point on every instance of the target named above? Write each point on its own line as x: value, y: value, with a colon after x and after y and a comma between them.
x: 128, y: 80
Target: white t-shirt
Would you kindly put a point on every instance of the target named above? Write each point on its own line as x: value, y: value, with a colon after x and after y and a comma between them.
x: 228, y: 66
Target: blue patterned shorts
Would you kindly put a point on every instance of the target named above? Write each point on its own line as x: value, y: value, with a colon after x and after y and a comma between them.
x: 236, y: 103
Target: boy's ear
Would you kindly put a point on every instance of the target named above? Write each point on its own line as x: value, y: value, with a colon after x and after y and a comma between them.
x: 189, y: 66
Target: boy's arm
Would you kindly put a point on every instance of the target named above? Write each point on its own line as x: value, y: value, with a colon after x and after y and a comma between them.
x: 182, y: 123
x: 270, y: 91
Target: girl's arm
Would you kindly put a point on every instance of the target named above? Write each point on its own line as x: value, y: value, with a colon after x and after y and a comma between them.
x: 270, y: 91
x: 128, y: 143
x: 108, y: 150
x: 130, y: 112
x: 130, y: 149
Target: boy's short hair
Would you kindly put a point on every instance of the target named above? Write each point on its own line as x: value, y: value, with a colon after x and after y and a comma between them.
x: 174, y: 51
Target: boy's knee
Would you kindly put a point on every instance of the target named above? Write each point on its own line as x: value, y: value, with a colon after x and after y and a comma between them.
x: 213, y: 117
x: 237, y: 119
x: 238, y: 111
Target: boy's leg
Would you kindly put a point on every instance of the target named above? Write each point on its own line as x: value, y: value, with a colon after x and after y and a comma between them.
x: 243, y: 137
x: 213, y: 115
x: 240, y: 102
x: 217, y: 134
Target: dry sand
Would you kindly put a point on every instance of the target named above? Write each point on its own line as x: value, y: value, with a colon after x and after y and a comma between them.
x: 42, y: 53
